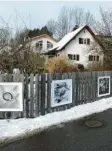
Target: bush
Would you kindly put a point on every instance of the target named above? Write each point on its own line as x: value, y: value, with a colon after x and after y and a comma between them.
x: 60, y: 64
x: 95, y: 66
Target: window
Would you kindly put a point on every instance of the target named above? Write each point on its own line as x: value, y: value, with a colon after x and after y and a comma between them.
x: 51, y: 56
x: 70, y: 56
x: 39, y: 45
x: 73, y: 57
x: 49, y: 45
x: 93, y: 58
x: 80, y: 40
x: 58, y: 55
x: 90, y: 58
x: 84, y: 41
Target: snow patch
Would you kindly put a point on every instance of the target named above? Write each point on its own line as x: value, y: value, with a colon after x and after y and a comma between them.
x: 18, y: 128
x: 66, y: 39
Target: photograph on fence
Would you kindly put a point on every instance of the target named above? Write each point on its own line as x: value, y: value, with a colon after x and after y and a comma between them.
x: 61, y: 92
x: 11, y: 98
x: 103, y: 86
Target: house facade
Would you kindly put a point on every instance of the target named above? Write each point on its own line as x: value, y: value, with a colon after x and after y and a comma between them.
x: 42, y: 43
x: 80, y: 45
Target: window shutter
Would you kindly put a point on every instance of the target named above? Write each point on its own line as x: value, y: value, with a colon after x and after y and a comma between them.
x: 88, y: 41
x: 97, y: 58
x: 90, y: 58
x: 77, y: 57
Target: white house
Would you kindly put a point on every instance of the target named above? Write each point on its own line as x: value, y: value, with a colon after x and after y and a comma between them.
x: 81, y: 46
x: 42, y: 43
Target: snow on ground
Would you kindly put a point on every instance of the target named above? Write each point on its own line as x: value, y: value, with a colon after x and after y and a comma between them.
x: 10, y: 130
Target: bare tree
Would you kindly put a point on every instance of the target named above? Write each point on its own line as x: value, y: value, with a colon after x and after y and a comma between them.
x: 51, y: 25
x: 64, y: 23
x: 20, y: 55
x: 104, y: 26
x: 67, y: 19
x: 104, y: 29
x: 95, y: 54
x: 89, y: 19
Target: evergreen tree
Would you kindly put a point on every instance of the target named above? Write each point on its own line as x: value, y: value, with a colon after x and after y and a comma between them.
x: 38, y: 32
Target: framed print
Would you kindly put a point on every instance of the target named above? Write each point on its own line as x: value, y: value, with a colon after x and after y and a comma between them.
x: 61, y: 92
x: 103, y: 86
x: 11, y: 98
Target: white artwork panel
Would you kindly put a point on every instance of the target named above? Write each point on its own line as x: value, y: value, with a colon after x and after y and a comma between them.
x: 61, y: 92
x: 11, y: 98
x: 103, y: 86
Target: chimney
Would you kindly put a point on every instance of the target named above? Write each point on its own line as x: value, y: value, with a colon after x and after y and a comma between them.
x: 76, y: 27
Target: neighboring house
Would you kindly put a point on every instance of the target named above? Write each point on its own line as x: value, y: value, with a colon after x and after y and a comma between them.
x: 106, y: 41
x: 41, y: 43
x: 78, y: 45
x: 107, y: 44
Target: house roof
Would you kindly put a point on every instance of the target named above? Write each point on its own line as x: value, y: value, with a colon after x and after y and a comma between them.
x: 66, y: 39
x: 69, y: 37
x: 43, y: 36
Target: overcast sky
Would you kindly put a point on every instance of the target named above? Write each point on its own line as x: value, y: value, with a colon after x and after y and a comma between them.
x: 41, y: 12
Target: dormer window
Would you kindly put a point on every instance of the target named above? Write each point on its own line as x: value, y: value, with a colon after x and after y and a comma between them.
x: 85, y: 41
x: 39, y: 45
x: 49, y: 45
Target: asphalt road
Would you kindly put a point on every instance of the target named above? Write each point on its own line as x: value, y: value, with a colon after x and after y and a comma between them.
x: 74, y: 136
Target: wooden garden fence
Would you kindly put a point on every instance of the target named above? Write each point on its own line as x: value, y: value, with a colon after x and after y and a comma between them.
x: 37, y: 91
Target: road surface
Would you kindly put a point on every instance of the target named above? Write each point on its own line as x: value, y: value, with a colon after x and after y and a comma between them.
x: 73, y: 136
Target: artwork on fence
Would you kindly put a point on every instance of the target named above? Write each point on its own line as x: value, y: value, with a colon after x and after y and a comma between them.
x: 103, y: 86
x: 61, y: 92
x: 11, y: 97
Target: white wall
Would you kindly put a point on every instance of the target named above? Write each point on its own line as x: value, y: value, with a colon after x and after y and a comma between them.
x: 44, y: 39
x: 82, y: 49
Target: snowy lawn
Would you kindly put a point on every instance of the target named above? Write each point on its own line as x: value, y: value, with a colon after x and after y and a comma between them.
x: 11, y: 130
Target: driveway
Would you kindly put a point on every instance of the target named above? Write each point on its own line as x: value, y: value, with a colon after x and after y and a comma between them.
x: 73, y: 136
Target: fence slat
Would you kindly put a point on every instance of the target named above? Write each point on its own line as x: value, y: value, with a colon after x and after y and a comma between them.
x: 26, y: 96
x: 48, y: 93
x: 32, y: 102
x: 36, y: 95
x: 1, y: 113
x: 22, y: 114
x: 43, y: 91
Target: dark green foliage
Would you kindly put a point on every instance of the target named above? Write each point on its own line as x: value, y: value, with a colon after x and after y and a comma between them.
x: 37, y: 32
